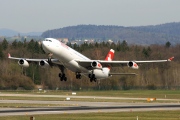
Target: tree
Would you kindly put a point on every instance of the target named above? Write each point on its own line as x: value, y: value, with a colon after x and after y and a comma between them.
x: 24, y: 42
x: 75, y: 46
x: 36, y: 47
x: 14, y: 44
x: 1, y: 53
x: 168, y: 44
x: 19, y: 44
x: 4, y: 44
x: 31, y: 47
x: 96, y: 45
x: 124, y: 46
x: 146, y: 52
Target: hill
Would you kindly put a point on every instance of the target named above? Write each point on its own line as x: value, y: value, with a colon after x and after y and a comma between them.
x: 145, y: 35
x: 10, y: 33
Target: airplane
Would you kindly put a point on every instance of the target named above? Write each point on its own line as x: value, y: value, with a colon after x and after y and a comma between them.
x: 66, y: 57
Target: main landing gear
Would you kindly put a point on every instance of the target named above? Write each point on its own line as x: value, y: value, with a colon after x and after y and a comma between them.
x: 78, y: 75
x: 92, y: 77
x: 62, y: 75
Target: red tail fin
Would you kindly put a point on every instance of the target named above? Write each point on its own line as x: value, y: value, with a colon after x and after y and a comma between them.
x: 110, y: 55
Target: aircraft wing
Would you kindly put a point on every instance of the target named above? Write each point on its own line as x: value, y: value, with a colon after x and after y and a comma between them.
x: 87, y: 63
x: 54, y: 61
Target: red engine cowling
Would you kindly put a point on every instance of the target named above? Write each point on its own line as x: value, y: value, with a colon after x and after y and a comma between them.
x: 23, y: 63
x: 133, y: 65
x: 96, y: 65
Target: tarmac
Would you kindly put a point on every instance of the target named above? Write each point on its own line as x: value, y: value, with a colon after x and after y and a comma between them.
x: 68, y: 106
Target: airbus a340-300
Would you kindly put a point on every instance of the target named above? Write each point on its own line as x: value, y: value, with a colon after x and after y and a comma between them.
x: 66, y: 57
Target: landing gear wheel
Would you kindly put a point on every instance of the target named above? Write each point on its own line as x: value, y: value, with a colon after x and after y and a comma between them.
x: 89, y: 75
x: 92, y: 77
x: 62, y: 76
x: 65, y: 78
x: 78, y: 76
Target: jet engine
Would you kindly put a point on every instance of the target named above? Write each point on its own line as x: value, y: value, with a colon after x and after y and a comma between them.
x: 96, y: 65
x: 23, y: 63
x: 43, y: 63
x: 133, y: 65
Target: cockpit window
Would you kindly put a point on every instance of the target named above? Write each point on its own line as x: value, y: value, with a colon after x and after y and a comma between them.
x: 48, y: 40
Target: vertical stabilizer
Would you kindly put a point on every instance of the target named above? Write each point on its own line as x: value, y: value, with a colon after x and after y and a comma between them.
x: 110, y: 55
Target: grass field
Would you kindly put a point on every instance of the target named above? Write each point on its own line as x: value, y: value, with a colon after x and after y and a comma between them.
x: 169, y: 94
x: 160, y: 94
x: 152, y: 115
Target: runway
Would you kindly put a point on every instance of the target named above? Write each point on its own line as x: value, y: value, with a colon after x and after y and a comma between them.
x: 86, y: 107
x: 63, y: 107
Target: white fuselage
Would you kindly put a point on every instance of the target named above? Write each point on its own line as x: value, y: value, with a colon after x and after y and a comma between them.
x: 68, y: 56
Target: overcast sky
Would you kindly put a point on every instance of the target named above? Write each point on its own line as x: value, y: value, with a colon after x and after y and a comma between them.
x: 42, y: 15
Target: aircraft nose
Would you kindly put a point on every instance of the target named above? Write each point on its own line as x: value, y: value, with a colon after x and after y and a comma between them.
x: 45, y: 45
x: 42, y: 43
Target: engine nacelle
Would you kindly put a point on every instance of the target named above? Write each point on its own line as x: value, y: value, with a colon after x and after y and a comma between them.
x: 133, y: 65
x: 43, y: 63
x: 23, y: 63
x: 96, y: 65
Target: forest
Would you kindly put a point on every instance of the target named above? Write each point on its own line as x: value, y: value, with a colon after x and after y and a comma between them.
x: 149, y: 75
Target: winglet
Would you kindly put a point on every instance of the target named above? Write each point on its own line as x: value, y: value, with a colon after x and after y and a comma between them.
x: 9, y: 55
x: 170, y: 59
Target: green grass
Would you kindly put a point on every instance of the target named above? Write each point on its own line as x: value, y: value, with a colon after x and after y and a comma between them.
x: 85, y: 100
x: 170, y: 94
x: 23, y: 105
x: 114, y: 93
x: 150, y: 115
x: 159, y: 94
